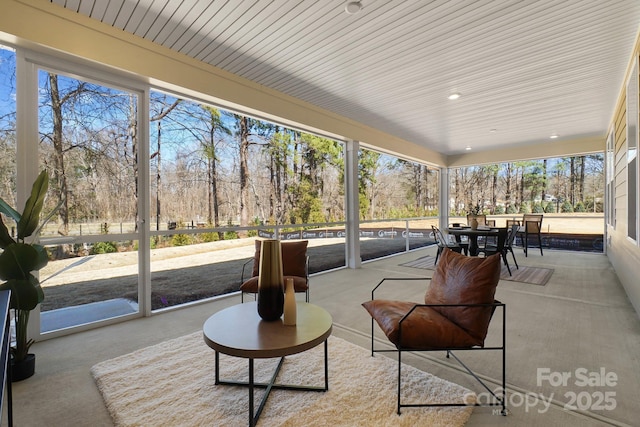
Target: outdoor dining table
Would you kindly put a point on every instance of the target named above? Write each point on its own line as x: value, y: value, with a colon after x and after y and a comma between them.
x: 473, y: 235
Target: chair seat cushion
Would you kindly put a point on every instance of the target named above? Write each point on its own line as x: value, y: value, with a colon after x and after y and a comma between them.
x: 423, y: 329
x: 251, y: 285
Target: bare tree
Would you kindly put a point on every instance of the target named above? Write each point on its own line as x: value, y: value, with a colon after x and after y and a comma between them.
x: 243, y: 149
x: 164, y: 112
x: 59, y: 173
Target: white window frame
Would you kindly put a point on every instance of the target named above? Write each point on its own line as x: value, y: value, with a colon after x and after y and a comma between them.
x: 28, y: 65
x: 610, y: 165
x: 632, y: 151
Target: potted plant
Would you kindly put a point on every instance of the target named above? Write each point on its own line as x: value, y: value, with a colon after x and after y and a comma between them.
x: 21, y: 257
x: 472, y: 216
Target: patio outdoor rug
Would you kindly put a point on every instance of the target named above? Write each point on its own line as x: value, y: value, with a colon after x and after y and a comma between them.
x: 525, y: 274
x: 172, y: 384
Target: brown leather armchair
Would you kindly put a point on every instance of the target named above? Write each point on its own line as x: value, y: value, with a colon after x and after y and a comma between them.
x: 459, y: 305
x: 295, y: 265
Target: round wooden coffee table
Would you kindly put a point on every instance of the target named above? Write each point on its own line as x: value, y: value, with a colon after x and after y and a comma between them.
x: 239, y: 331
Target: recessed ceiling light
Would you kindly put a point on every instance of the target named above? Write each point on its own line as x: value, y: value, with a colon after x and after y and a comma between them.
x: 455, y: 95
x: 554, y: 136
x: 467, y: 148
x: 353, y: 7
x: 493, y: 130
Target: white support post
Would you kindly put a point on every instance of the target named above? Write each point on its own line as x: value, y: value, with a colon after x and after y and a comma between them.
x: 352, y: 246
x: 443, y: 201
x: 144, y: 206
x: 27, y: 164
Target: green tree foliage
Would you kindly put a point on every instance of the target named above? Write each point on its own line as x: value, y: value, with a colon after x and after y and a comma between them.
x: 181, y: 240
x: 367, y: 169
x: 308, y: 206
x: 293, y: 175
x: 280, y: 152
x: 103, y: 248
x: 523, y: 185
x: 419, y: 184
x: 566, y: 207
x: 314, y: 159
x: 533, y: 179
x: 215, y: 129
x: 230, y: 235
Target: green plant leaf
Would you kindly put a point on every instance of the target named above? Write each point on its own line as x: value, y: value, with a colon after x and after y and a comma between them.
x: 21, y: 349
x: 26, y: 294
x: 18, y: 260
x: 5, y: 238
x: 31, y: 215
x: 9, y: 211
x: 43, y: 257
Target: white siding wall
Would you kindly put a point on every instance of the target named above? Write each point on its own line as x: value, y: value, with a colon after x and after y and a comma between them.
x: 623, y: 253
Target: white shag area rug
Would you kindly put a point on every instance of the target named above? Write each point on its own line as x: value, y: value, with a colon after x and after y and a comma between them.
x: 172, y: 384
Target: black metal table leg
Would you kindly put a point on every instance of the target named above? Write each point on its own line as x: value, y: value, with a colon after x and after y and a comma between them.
x: 326, y: 366
x: 251, y: 384
x: 252, y: 420
x: 217, y: 368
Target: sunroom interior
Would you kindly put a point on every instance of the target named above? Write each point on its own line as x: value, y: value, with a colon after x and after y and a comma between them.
x: 379, y: 78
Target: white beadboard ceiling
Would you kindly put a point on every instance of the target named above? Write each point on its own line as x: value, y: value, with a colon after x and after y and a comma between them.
x: 526, y: 69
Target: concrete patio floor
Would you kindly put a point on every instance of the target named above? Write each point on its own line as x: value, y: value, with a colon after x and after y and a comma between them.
x: 581, y: 324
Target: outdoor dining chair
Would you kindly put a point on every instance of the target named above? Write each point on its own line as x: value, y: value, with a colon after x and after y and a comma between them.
x: 531, y: 226
x: 443, y: 243
x: 482, y: 220
x: 504, y: 245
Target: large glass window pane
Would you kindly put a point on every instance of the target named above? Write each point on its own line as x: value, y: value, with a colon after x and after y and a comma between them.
x: 89, y: 145
x: 567, y: 191
x: 219, y: 180
x: 398, y: 204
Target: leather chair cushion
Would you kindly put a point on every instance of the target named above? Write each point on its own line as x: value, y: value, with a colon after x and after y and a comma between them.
x: 294, y: 258
x: 424, y: 329
x: 459, y: 279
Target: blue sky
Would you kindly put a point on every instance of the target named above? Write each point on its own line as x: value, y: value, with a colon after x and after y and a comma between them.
x: 7, y: 84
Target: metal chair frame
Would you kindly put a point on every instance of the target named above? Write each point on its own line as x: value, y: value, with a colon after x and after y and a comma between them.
x: 442, y: 243
x: 511, y: 238
x: 504, y: 245
x: 532, y: 226
x: 500, y: 398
